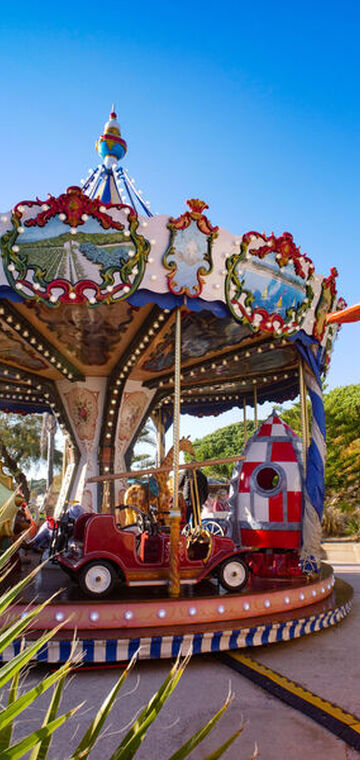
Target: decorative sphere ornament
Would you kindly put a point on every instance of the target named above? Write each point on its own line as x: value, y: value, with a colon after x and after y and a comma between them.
x: 110, y: 143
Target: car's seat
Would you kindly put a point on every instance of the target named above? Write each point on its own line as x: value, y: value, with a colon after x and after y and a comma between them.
x: 79, y: 527
x: 150, y: 547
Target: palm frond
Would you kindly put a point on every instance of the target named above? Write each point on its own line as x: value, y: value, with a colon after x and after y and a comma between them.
x: 40, y: 751
x: 92, y: 734
x: 133, y: 739
x: 6, y: 733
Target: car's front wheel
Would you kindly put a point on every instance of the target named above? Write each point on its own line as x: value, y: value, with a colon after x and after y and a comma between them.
x: 234, y: 574
x: 97, y: 578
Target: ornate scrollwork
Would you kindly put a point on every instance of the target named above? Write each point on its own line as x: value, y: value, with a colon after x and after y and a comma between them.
x: 269, y: 271
x: 93, y: 253
x: 325, y: 304
x: 188, y: 257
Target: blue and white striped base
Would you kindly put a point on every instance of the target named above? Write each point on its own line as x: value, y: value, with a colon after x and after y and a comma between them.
x: 155, y: 647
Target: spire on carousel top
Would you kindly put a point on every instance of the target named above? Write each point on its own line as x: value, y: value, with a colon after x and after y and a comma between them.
x: 110, y: 146
x: 110, y: 182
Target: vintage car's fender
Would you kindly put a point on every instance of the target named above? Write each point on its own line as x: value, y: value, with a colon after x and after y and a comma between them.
x: 210, y: 567
x: 75, y: 566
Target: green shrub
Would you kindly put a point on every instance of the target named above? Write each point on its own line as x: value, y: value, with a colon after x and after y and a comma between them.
x: 353, y: 527
x: 333, y: 521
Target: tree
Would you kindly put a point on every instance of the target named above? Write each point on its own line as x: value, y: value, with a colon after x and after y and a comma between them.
x: 342, y: 409
x: 342, y: 412
x: 141, y: 457
x: 225, y: 442
x: 20, y: 446
x: 47, y: 445
x: 342, y: 471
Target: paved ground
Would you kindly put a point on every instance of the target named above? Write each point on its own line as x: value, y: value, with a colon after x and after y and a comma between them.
x: 326, y: 663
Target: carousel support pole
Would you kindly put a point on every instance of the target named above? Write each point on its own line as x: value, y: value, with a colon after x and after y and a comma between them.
x: 255, y: 408
x: 245, y: 422
x: 174, y: 579
x: 64, y: 458
x: 195, y: 499
x: 160, y: 439
x: 105, y: 507
x: 303, y: 413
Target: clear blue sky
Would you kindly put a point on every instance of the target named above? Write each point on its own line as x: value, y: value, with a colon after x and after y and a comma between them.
x: 253, y: 107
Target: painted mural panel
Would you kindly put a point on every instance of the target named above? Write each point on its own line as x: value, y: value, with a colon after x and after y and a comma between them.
x: 74, y: 250
x: 15, y: 350
x: 89, y: 339
x: 200, y: 335
x: 83, y: 409
x: 130, y: 416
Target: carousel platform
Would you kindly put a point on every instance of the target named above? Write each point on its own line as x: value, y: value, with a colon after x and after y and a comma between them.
x: 203, y: 619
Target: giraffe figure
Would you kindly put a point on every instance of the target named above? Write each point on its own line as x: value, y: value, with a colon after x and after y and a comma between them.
x: 163, y: 477
x: 137, y: 495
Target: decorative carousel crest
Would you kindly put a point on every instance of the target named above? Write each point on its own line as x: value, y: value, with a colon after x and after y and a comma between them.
x: 188, y: 257
x: 328, y: 331
x: 273, y: 272
x: 104, y: 261
x: 325, y: 304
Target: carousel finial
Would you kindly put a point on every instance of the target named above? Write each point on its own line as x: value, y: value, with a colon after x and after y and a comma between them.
x: 110, y: 145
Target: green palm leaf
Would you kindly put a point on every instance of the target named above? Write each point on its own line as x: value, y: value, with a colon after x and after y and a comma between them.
x: 220, y: 750
x: 9, y: 596
x: 13, y: 631
x: 40, y: 751
x: 90, y: 737
x: 6, y: 733
x: 131, y: 742
x: 18, y: 705
x: 38, y: 742
x: 9, y: 669
x: 18, y: 750
x: 8, y: 553
x: 198, y: 737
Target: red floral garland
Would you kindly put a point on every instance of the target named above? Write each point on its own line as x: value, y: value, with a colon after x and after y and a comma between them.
x: 73, y: 204
x: 285, y: 248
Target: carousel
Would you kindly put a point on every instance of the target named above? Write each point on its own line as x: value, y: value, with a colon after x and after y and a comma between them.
x: 109, y: 316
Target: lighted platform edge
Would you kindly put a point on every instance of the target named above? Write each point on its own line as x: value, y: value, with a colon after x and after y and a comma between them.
x: 155, y: 647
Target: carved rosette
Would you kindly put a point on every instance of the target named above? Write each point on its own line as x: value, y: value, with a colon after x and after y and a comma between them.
x: 188, y: 257
x: 74, y: 250
x: 268, y: 283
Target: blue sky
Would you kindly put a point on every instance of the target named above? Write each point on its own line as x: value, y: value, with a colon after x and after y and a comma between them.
x: 253, y: 107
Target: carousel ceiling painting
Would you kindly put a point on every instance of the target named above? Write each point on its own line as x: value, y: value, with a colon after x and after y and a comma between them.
x: 89, y: 337
x: 89, y: 285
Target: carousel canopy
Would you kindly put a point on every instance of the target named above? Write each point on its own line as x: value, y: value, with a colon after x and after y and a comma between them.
x: 88, y: 285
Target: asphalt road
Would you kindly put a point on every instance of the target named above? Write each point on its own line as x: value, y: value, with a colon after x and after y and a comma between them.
x: 327, y: 663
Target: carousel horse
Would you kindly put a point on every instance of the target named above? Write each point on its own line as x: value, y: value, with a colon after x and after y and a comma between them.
x: 137, y: 495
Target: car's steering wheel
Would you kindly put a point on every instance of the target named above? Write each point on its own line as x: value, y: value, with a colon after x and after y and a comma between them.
x: 144, y: 520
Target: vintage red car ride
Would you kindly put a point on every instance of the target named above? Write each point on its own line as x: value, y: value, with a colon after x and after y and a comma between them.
x: 102, y: 553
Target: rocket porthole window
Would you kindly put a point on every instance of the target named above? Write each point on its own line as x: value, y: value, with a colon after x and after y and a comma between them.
x: 268, y: 479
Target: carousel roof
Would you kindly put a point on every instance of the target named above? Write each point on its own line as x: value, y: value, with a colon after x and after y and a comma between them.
x: 88, y: 286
